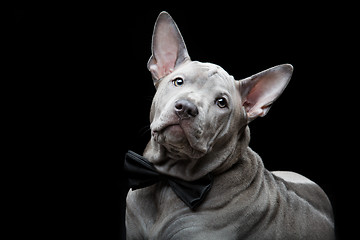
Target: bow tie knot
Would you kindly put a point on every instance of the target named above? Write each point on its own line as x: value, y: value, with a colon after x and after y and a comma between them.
x: 142, y: 173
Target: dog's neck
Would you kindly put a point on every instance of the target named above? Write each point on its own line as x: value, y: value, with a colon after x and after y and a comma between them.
x: 218, y: 160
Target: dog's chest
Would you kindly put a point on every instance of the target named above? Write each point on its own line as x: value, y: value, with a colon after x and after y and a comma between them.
x: 161, y: 214
x: 170, y: 218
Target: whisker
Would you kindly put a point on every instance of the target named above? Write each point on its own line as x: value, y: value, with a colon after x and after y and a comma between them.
x: 144, y: 130
x: 149, y: 98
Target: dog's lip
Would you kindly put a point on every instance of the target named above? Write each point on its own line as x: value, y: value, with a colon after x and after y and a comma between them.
x: 178, y: 123
x: 163, y: 127
x: 170, y: 125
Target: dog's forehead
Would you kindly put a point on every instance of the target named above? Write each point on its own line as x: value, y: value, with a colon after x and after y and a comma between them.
x: 207, y: 73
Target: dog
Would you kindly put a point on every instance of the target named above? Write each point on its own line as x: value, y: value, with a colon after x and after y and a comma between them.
x: 199, y: 126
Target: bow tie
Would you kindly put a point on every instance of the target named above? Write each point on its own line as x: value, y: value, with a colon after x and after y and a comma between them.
x: 142, y: 173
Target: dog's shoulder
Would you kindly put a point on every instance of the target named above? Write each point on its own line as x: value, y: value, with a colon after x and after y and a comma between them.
x: 305, y: 189
x: 292, y: 177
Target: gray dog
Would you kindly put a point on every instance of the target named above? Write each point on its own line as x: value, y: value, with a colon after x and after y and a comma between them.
x: 199, y: 125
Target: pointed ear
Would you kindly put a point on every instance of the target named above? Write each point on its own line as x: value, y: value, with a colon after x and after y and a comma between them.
x: 261, y: 90
x: 168, y: 48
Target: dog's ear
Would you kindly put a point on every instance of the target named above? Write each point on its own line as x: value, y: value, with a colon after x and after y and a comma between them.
x: 168, y: 48
x: 259, y: 91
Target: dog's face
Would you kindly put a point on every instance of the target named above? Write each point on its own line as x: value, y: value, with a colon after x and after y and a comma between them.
x: 199, y: 109
x: 195, y: 107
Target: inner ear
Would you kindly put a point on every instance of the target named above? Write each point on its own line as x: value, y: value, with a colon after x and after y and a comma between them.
x: 261, y: 90
x: 168, y: 47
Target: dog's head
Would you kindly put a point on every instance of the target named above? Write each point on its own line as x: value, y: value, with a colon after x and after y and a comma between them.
x: 199, y: 111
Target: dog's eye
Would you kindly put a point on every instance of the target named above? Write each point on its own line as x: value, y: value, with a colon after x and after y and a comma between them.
x: 221, y: 102
x: 178, y: 82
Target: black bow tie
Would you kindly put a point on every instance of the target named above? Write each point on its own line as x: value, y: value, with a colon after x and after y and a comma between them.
x: 142, y: 173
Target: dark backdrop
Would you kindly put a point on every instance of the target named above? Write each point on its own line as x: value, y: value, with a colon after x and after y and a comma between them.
x: 83, y: 90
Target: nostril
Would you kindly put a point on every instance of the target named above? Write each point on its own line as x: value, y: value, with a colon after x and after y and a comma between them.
x: 193, y: 111
x: 178, y: 106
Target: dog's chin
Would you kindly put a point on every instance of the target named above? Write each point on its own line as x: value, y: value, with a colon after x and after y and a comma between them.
x: 174, y: 135
x: 178, y: 143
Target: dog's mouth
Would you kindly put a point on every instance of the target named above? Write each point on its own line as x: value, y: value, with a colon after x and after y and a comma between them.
x: 179, y: 137
x: 175, y: 129
x: 171, y: 132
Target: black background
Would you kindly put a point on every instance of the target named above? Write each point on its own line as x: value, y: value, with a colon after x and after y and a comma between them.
x: 81, y: 93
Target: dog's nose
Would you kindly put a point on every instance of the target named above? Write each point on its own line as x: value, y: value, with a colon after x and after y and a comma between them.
x: 185, y: 109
